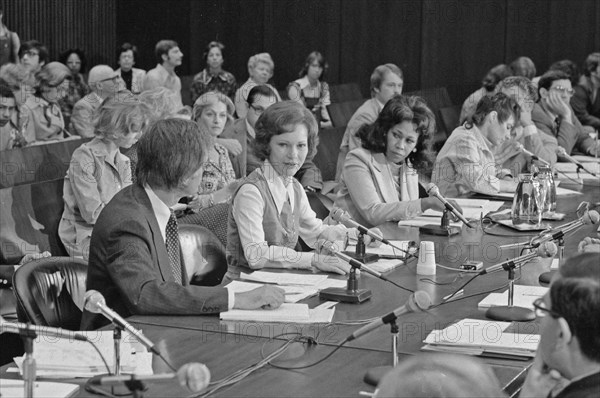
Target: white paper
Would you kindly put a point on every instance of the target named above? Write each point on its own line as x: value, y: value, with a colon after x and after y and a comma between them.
x: 16, y: 389
x: 385, y: 250
x: 472, y: 208
x: 284, y: 278
x: 421, y: 221
x: 293, y: 313
x: 523, y: 296
x: 293, y: 294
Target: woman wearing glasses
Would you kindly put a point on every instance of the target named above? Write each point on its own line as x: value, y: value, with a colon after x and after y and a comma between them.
x: 98, y: 170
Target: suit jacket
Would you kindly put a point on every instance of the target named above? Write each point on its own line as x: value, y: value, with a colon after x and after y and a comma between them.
x: 587, y: 387
x: 82, y: 118
x: 129, y: 265
x: 570, y: 136
x: 371, y: 196
x: 245, y: 162
x: 137, y: 80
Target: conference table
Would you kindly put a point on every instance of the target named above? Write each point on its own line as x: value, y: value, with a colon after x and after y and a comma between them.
x: 226, y: 347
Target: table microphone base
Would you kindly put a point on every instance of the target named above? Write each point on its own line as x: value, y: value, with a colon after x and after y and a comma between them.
x: 345, y: 295
x: 374, y: 375
x: 365, y: 259
x: 437, y: 230
x: 506, y: 313
x: 546, y: 277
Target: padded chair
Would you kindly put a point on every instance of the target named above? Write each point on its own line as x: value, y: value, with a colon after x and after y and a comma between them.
x: 341, y: 112
x: 203, y: 255
x: 450, y: 118
x: 345, y: 92
x: 50, y: 291
x: 213, y: 218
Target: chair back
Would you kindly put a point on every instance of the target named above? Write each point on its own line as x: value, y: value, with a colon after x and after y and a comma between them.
x: 345, y: 92
x: 341, y: 112
x: 203, y: 255
x: 328, y: 151
x: 50, y: 291
x: 213, y: 218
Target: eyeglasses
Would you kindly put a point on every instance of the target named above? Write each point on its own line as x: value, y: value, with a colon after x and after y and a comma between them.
x: 541, y: 310
x: 564, y: 90
x: 259, y: 111
x: 114, y: 79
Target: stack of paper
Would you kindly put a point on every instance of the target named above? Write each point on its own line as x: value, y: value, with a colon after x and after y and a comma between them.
x: 72, y: 358
x: 421, y: 221
x: 284, y: 278
x: 472, y: 208
x: 293, y: 313
x: 523, y: 296
x: 293, y: 294
x: 486, y: 338
x: 15, y: 389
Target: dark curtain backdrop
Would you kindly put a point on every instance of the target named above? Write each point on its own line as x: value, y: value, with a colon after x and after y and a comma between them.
x: 448, y: 43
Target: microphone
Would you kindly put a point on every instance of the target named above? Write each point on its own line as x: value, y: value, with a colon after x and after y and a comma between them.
x: 343, y: 217
x: 329, y: 246
x: 194, y: 376
x: 433, y: 190
x: 94, y: 302
x: 26, y: 329
x: 417, y: 302
x: 532, y: 155
x: 560, y: 151
x: 548, y: 249
x: 589, y: 217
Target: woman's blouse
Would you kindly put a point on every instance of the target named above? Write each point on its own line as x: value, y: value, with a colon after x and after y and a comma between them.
x: 223, y: 82
x: 218, y: 173
x: 77, y: 90
x: 46, y: 122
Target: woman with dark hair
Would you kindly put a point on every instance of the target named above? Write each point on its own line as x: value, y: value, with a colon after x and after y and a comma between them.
x: 466, y: 162
x: 133, y: 77
x: 213, y: 77
x: 75, y: 60
x: 310, y: 90
x: 488, y: 86
x: 270, y: 210
x: 380, y: 180
x: 9, y: 43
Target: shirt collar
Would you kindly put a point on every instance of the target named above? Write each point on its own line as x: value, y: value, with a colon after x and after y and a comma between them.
x: 164, y: 70
x: 379, y: 104
x: 280, y: 187
x: 162, y: 212
x: 250, y: 129
x: 483, y: 142
x: 221, y: 74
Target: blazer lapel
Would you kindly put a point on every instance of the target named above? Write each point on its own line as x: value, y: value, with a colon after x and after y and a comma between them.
x: 383, y: 178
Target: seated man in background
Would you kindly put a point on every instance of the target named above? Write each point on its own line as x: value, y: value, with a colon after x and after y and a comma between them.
x: 488, y: 85
x: 135, y: 256
x: 586, y: 100
x: 104, y: 82
x: 169, y: 56
x: 509, y: 155
x: 12, y: 122
x: 553, y: 115
x: 386, y: 81
x: 570, y: 333
x: 33, y: 55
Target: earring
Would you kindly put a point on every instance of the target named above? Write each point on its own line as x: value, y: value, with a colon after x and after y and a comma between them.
x: 414, y: 150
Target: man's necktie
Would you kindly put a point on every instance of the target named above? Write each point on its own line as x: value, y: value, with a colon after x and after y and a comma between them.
x: 557, y: 122
x: 173, y: 248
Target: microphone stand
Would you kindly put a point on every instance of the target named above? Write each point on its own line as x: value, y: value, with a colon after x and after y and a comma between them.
x: 546, y: 277
x: 29, y: 365
x: 510, y: 312
x: 351, y: 294
x: 360, y: 253
x: 375, y: 374
x: 444, y: 229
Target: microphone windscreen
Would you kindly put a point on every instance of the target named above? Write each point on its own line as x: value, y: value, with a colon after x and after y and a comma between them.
x: 91, y: 300
x: 195, y: 376
x: 547, y: 249
x: 419, y: 301
x: 561, y: 151
x: 592, y: 217
x: 340, y: 215
x: 431, y: 189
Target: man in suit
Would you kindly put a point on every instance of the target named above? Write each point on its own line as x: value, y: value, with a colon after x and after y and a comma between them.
x: 553, y: 115
x: 569, y: 348
x: 135, y: 259
x: 104, y: 83
x: 386, y: 81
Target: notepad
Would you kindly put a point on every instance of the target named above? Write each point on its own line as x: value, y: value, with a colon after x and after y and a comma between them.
x: 423, y: 220
x: 523, y: 296
x: 293, y: 294
x: 286, y: 313
x: 472, y: 208
x: 385, y: 250
x: 283, y: 278
x: 15, y: 389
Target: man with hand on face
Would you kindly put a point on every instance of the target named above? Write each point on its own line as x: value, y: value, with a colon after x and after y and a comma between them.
x: 553, y: 115
x: 567, y: 362
x: 12, y: 122
x: 168, y: 56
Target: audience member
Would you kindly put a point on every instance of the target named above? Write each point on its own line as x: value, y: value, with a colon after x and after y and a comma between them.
x: 380, y: 180
x: 76, y: 62
x: 509, y: 155
x: 214, y: 77
x: 440, y: 376
x: 386, y: 81
x: 33, y: 55
x: 586, y: 100
x: 20, y: 81
x: 98, y: 170
x: 168, y: 56
x: 311, y: 90
x: 553, y: 115
x: 13, y: 124
x: 135, y: 260
x: 242, y: 130
x: 466, y: 162
x: 488, y: 86
x: 569, y: 345
x: 46, y: 122
x: 565, y: 65
x: 270, y: 210
x: 260, y: 69
x: 104, y: 82
x: 212, y: 111
x: 133, y: 77
x: 523, y: 66
x: 9, y: 43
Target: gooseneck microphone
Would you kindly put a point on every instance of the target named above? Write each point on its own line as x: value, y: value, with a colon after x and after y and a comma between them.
x: 94, y: 302
x: 433, y: 190
x: 343, y: 217
x: 417, y: 302
x: 330, y: 247
x: 560, y: 151
x: 532, y: 155
x: 26, y: 329
x: 588, y: 218
x: 545, y: 250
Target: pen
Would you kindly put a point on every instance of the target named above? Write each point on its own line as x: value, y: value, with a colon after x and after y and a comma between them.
x: 292, y: 293
x: 459, y: 293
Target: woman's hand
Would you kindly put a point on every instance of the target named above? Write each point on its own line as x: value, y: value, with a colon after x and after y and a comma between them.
x: 589, y: 245
x: 369, y: 241
x: 323, y: 259
x: 435, y: 204
x: 540, y: 380
x: 33, y: 256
